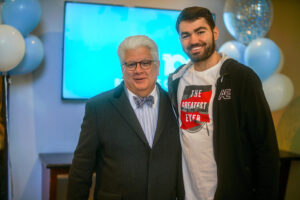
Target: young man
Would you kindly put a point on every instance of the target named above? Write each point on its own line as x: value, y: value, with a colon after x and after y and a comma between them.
x: 227, y: 134
x: 129, y: 135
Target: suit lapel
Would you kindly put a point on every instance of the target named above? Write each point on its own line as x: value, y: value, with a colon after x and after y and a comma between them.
x: 162, y: 115
x: 122, y: 104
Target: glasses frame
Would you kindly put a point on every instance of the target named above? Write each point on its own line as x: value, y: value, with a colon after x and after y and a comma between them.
x: 142, y: 66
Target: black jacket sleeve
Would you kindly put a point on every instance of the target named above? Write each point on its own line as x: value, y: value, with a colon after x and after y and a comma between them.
x: 83, y: 164
x: 262, y: 134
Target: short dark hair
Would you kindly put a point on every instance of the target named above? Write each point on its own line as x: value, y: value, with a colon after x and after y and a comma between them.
x: 193, y: 13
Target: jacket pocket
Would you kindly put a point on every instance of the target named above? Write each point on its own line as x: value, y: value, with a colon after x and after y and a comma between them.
x: 108, y: 196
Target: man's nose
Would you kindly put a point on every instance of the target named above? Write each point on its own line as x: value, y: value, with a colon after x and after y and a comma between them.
x: 194, y: 39
x: 138, y: 67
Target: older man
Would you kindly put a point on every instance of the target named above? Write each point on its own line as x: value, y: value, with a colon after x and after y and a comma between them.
x: 129, y: 135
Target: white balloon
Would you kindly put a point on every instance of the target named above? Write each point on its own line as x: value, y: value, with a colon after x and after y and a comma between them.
x: 279, y: 91
x: 12, y: 47
x: 281, y: 62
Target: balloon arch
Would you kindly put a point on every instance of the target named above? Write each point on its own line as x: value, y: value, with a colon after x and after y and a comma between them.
x: 20, y: 53
x: 248, y: 21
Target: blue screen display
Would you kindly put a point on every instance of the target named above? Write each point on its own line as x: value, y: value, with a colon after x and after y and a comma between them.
x: 92, y: 34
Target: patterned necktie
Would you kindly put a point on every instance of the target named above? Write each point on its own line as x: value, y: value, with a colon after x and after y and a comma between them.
x: 140, y: 101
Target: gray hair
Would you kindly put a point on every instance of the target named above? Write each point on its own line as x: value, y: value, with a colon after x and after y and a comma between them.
x: 136, y: 41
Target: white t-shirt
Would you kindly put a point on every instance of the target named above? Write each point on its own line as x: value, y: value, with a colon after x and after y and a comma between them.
x: 196, y: 92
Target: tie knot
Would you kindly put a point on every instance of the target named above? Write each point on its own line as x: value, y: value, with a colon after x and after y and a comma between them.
x: 140, y: 101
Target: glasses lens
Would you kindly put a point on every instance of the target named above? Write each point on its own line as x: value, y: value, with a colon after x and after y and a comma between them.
x: 131, y: 65
x: 144, y: 64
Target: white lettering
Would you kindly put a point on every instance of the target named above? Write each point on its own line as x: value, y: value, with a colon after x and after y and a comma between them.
x: 192, y: 117
x: 117, y: 81
x: 193, y: 105
x: 196, y: 93
x: 170, y: 61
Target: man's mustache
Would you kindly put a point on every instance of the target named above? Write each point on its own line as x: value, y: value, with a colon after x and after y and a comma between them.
x: 196, y: 45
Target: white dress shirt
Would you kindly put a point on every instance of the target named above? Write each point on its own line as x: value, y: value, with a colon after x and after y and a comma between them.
x: 146, y: 115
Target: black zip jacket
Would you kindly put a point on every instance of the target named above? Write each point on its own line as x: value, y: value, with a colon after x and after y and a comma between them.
x: 244, y: 139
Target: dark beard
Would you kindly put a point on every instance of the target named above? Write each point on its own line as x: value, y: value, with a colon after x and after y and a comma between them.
x: 208, y: 51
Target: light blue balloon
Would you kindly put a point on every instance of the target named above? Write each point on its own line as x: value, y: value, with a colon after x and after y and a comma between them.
x: 24, y: 15
x: 247, y: 20
x: 234, y: 49
x: 34, y: 54
x: 263, y: 56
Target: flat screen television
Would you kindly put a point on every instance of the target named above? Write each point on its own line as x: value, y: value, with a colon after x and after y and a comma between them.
x: 92, y: 34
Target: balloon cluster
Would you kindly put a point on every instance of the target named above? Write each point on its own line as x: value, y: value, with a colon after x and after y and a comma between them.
x: 20, y: 53
x: 248, y: 21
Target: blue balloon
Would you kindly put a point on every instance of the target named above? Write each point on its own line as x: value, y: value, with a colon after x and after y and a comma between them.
x: 24, y: 15
x: 263, y: 56
x: 34, y: 54
x: 247, y: 20
x: 234, y: 49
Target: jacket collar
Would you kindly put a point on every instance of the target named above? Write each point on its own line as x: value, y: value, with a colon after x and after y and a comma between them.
x: 182, y: 69
x: 122, y: 104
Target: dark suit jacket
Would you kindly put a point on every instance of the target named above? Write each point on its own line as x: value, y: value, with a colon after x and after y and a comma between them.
x: 113, y: 144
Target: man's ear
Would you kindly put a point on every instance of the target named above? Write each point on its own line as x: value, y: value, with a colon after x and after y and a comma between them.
x: 157, y: 64
x: 216, y: 32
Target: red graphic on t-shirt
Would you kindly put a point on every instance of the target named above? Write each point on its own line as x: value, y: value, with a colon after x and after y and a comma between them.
x: 194, y: 107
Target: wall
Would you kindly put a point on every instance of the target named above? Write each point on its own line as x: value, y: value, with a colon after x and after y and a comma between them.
x: 285, y: 31
x: 39, y: 121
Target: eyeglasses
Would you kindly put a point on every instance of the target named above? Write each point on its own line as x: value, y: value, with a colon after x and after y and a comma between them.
x: 144, y: 64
